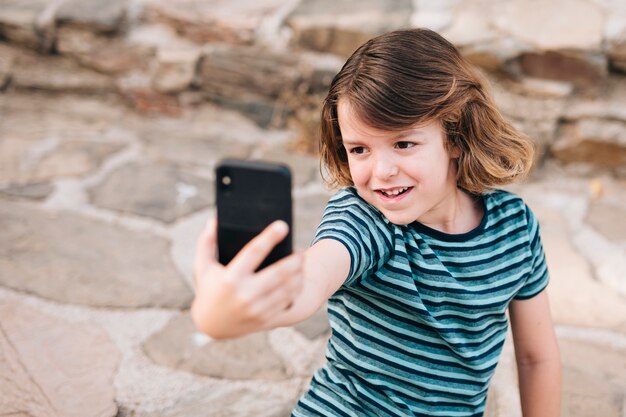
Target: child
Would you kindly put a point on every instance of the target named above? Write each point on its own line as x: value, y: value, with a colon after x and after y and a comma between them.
x: 418, y: 256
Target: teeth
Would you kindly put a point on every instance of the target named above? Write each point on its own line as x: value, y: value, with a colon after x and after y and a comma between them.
x: 395, y: 192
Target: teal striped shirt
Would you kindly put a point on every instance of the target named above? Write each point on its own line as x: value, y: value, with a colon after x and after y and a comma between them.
x: 419, y: 324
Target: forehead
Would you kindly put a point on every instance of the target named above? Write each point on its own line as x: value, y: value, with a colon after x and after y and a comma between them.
x: 354, y: 128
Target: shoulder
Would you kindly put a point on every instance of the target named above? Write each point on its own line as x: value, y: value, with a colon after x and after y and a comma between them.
x: 505, y: 204
x: 347, y: 212
x: 509, y: 210
x: 347, y: 203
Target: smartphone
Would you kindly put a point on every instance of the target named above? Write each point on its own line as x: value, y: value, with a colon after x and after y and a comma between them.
x: 249, y: 196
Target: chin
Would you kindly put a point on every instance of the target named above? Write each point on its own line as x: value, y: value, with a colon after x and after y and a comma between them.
x: 399, y: 219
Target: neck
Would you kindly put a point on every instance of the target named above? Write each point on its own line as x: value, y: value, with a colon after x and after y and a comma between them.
x: 457, y: 213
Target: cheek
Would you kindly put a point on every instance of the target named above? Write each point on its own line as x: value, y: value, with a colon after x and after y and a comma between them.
x: 358, y: 172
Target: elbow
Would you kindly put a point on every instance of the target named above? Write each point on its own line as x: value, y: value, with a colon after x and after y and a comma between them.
x: 549, y: 356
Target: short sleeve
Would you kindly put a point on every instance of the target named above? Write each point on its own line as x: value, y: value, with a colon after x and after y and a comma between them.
x: 538, y: 277
x: 359, y: 227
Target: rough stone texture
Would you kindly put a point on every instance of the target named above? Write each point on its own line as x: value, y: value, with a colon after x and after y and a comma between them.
x: 71, y: 259
x: 105, y: 262
x: 36, y: 191
x: 104, y: 54
x: 51, y: 368
x: 617, y: 56
x: 585, y: 70
x: 534, y: 115
x: 228, y: 402
x: 233, y: 72
x: 105, y: 16
x: 340, y: 27
x: 601, y: 143
x: 180, y: 346
x: 18, y: 21
x: 608, y: 220
x: 230, y: 21
x: 594, y: 379
x: 176, y: 70
x: 147, y: 101
x: 556, y: 24
x: 304, y: 168
x: 435, y: 15
x: 7, y: 57
x: 56, y: 73
x: 469, y: 26
x: 254, y: 81
x: 26, y: 161
x: 138, y: 188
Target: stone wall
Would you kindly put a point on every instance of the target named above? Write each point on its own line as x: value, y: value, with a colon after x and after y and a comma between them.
x: 558, y: 67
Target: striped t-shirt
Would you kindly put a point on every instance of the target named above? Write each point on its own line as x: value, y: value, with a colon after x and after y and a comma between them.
x: 419, y: 324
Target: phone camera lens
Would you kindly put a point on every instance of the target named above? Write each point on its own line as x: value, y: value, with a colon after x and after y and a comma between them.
x: 226, y: 180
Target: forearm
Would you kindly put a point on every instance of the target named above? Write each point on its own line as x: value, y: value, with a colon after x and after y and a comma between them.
x: 316, y: 289
x: 304, y: 306
x: 540, y: 387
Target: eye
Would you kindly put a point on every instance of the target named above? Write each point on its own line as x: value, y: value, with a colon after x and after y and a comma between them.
x: 404, y: 145
x: 358, y: 150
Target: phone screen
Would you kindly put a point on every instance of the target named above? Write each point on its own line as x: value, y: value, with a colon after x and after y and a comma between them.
x: 249, y: 196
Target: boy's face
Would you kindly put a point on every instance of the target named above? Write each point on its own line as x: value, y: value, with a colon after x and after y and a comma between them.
x: 407, y: 175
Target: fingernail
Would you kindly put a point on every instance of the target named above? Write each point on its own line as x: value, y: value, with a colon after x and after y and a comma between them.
x: 281, y: 226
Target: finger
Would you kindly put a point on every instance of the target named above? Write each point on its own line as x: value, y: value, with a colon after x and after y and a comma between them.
x: 255, y: 251
x: 281, y: 298
x: 279, y: 274
x: 206, y: 247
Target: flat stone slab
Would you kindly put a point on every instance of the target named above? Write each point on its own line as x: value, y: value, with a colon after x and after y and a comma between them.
x: 51, y: 368
x: 179, y: 345
x: 608, y: 219
x: 594, y: 379
x: 225, y: 401
x: 194, y: 150
x: 340, y: 27
x: 230, y: 21
x: 56, y: 73
x: 99, y: 15
x: 599, y: 142
x: 576, y: 297
x: 161, y: 191
x: 36, y: 191
x: 28, y: 161
x: 71, y: 259
x: 18, y: 20
x: 580, y: 24
x: 105, y: 54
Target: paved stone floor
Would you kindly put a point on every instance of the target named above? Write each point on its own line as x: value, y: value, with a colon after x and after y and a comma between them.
x: 99, y: 211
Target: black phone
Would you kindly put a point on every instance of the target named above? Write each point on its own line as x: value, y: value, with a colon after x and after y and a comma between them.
x: 249, y: 196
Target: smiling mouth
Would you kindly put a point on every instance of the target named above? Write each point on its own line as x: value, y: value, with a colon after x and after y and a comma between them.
x: 393, y: 192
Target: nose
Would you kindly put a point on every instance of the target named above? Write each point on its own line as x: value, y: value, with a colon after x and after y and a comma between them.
x: 385, y: 167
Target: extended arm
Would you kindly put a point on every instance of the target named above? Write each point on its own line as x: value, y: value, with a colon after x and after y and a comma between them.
x: 537, y: 356
x: 233, y: 300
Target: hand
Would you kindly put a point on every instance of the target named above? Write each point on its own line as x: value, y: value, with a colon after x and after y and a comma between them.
x: 234, y: 300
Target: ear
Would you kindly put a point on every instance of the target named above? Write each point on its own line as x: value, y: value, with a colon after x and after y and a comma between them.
x: 454, y: 151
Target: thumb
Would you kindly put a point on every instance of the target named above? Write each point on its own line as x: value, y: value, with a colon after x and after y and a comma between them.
x: 206, y: 253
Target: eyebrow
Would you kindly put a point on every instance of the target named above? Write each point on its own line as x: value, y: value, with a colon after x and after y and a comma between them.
x: 400, y: 136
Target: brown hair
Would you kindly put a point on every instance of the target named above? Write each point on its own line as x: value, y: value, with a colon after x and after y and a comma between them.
x: 407, y: 77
